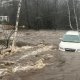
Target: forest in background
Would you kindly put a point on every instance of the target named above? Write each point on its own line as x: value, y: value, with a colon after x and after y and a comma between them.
x: 42, y: 14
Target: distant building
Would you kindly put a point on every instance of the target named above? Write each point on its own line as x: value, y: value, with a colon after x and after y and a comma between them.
x: 4, y: 18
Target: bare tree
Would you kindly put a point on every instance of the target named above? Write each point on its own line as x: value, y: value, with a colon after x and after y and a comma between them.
x: 75, y: 15
x: 69, y: 15
x: 55, y: 16
x: 16, y: 26
x: 26, y: 13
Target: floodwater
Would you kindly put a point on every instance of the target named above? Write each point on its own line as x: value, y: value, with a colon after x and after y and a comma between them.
x: 37, y: 58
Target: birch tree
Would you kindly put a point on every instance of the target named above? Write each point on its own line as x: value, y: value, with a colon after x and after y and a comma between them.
x: 75, y: 15
x: 16, y: 26
x: 69, y: 15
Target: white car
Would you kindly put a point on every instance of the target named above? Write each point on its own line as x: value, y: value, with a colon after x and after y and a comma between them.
x: 70, y: 41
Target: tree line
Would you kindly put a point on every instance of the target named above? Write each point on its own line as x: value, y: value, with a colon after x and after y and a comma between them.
x: 44, y: 14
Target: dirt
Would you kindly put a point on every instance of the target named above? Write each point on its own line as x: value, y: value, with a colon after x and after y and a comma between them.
x: 37, y: 58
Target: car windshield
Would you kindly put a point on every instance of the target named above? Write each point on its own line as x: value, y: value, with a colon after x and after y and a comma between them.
x: 71, y: 38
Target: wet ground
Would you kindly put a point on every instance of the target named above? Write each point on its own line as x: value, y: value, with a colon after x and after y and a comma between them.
x: 37, y: 58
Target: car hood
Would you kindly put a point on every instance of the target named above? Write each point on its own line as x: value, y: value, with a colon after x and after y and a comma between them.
x: 70, y: 45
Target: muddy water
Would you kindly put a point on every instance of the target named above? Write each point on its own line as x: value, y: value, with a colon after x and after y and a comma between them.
x: 55, y: 69
x: 70, y: 70
x: 48, y: 64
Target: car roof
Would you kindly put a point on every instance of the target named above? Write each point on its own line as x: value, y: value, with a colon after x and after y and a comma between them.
x: 72, y: 33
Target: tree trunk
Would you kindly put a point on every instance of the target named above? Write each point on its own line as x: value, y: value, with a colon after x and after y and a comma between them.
x: 55, y: 14
x: 26, y: 14
x: 75, y: 16
x: 16, y: 26
x: 69, y: 15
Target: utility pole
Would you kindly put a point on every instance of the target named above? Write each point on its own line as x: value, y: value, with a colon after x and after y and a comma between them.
x: 16, y: 26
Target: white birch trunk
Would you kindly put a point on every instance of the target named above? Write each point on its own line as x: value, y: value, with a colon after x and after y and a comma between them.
x: 16, y: 26
x: 69, y: 15
x: 75, y: 16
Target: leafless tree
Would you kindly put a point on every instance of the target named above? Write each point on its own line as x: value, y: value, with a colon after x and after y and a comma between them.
x: 69, y: 15
x: 75, y: 15
x: 16, y: 26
